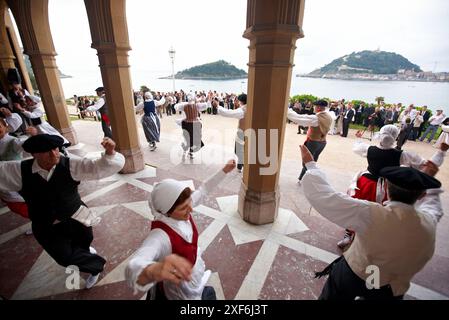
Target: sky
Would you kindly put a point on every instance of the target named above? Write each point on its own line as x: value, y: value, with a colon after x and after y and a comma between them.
x: 203, y: 31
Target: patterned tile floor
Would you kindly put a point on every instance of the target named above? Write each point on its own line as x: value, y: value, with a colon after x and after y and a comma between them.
x: 274, y: 261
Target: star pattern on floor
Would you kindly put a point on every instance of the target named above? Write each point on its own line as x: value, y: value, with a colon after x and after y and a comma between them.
x: 272, y: 261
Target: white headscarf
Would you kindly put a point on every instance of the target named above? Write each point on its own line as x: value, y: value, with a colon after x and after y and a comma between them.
x: 387, y: 135
x: 148, y: 96
x: 164, y: 195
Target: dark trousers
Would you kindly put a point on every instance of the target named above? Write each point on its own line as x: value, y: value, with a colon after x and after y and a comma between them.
x: 106, y: 129
x: 239, y: 150
x: 315, y: 148
x: 346, y: 123
x: 68, y: 243
x: 415, y: 133
x: 344, y: 284
x: 208, y: 293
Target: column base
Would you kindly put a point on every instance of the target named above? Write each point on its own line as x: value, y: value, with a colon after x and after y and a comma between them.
x: 133, y: 160
x: 258, y: 207
x: 70, y: 134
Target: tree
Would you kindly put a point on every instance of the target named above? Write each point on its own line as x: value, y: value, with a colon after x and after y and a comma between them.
x: 379, y: 100
x: 144, y: 89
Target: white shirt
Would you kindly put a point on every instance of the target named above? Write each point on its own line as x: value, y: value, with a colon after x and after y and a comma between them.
x: 80, y: 169
x: 305, y: 120
x: 437, y: 120
x: 238, y: 113
x: 354, y: 214
x: 200, y: 105
x: 14, y: 121
x: 97, y: 106
x: 157, y: 246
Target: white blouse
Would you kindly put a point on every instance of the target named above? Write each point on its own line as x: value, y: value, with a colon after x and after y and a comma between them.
x: 157, y: 246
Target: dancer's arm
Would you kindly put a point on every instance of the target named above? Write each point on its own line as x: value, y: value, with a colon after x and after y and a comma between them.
x: 108, y: 164
x: 337, y: 207
x: 238, y: 113
x: 153, y: 262
x: 208, y: 185
x: 305, y: 120
x: 139, y: 107
x: 35, y: 113
x: 360, y: 148
x: 158, y: 103
x: 97, y: 106
x: 414, y: 160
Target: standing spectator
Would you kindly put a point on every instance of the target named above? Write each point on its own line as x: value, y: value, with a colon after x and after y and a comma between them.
x: 347, y: 119
x: 417, y: 124
x: 404, y: 133
x: 426, y: 116
x: 434, y: 123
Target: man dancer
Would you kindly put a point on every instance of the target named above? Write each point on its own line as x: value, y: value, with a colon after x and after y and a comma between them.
x: 191, y: 124
x: 385, y: 234
x: 319, y: 125
x: 61, y: 222
x: 102, y: 107
x: 238, y: 113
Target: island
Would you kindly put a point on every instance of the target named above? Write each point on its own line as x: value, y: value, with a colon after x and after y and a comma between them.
x: 218, y: 70
x: 375, y: 65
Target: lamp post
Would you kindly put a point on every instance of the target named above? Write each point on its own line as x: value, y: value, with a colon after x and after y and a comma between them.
x: 171, y: 53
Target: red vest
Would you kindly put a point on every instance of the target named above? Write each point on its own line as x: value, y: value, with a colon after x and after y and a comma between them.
x: 178, y: 244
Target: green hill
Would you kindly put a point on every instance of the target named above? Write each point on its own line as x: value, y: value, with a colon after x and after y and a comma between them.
x: 219, y: 70
x: 372, y: 62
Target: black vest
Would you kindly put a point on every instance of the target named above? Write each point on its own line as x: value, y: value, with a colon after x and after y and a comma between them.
x: 47, y: 201
x: 149, y: 107
x: 104, y: 109
x: 380, y: 158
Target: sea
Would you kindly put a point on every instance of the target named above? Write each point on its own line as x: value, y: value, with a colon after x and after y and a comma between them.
x: 433, y: 94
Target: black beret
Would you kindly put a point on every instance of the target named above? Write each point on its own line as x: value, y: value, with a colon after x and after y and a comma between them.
x: 99, y: 89
x: 409, y: 178
x: 321, y: 103
x: 42, y: 143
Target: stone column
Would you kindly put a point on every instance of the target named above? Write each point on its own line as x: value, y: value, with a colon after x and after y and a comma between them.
x: 34, y: 28
x: 17, y: 51
x: 109, y: 30
x: 272, y: 28
x: 6, y: 53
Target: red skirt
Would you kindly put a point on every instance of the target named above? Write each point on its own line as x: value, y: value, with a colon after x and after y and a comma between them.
x: 366, y: 189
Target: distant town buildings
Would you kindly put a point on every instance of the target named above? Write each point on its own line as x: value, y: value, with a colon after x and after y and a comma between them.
x: 401, y: 75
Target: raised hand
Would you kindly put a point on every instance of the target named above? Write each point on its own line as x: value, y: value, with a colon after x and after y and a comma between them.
x: 173, y: 268
x: 430, y: 168
x: 109, y: 146
x: 230, y: 165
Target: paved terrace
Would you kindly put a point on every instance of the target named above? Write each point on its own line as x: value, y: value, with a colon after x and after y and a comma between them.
x: 275, y: 261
